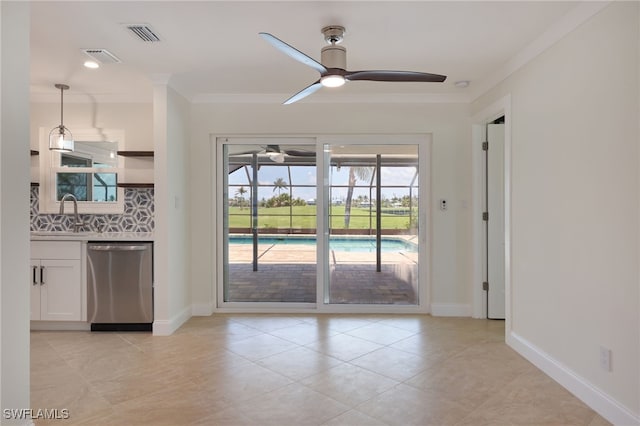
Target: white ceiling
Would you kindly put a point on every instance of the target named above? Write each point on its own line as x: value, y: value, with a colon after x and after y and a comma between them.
x: 212, y: 49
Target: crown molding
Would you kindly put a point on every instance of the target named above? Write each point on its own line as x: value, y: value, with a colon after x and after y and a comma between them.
x: 568, y: 23
x: 390, y: 98
x: 85, y: 98
x: 260, y: 98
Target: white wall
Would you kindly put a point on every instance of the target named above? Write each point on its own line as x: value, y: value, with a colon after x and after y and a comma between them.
x: 14, y: 214
x: 172, y: 287
x: 575, y: 213
x: 136, y: 119
x: 448, y: 123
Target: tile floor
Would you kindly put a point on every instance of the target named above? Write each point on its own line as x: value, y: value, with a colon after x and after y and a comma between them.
x: 299, y: 370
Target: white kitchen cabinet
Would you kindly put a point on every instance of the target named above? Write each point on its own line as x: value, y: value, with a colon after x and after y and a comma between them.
x: 56, y: 281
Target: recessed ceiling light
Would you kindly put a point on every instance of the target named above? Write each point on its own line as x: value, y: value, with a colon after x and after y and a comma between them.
x: 461, y: 84
x: 91, y: 64
x: 101, y: 56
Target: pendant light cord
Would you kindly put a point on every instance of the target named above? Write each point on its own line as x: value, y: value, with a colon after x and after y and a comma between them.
x: 61, y: 107
x: 62, y: 88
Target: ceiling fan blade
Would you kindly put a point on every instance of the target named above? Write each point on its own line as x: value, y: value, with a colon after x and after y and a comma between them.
x: 245, y: 152
x: 299, y: 153
x: 304, y: 93
x: 410, y: 76
x: 293, y: 52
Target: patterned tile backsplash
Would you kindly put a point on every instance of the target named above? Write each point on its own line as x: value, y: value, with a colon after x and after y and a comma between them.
x: 137, y: 217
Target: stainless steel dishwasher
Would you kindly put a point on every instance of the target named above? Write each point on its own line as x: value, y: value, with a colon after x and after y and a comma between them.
x: 120, y: 286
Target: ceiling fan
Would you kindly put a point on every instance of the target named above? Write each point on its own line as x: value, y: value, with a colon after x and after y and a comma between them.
x: 278, y: 153
x: 332, y: 68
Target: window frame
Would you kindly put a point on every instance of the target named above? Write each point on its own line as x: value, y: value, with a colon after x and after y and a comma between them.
x: 50, y: 167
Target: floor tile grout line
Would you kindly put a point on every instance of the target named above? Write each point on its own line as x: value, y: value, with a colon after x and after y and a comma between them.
x: 469, y: 338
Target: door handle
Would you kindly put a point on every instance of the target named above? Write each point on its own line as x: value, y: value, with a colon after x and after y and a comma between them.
x: 34, y: 279
x: 42, y: 275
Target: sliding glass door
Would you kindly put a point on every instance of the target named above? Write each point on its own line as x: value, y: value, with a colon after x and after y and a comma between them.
x: 320, y: 222
x: 269, y: 230
x: 373, y: 198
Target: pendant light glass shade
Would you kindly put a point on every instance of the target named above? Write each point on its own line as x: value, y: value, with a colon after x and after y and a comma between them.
x: 61, y: 138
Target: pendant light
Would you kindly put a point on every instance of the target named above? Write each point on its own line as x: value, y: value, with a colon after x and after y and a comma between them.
x: 60, y: 138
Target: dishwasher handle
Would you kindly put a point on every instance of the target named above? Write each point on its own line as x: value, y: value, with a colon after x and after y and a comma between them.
x: 118, y: 247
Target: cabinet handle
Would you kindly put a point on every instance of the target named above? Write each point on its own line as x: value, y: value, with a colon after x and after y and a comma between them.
x: 34, y: 280
x: 42, y: 275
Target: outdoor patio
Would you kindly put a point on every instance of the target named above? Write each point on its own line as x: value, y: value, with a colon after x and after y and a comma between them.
x: 287, y: 273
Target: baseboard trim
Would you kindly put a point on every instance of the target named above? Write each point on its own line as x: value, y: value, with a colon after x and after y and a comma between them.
x: 202, y: 309
x: 450, y: 310
x: 595, y: 398
x: 60, y: 326
x: 167, y: 327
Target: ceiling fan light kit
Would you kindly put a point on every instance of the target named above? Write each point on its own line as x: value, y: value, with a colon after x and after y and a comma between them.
x: 276, y: 157
x: 333, y: 65
x: 332, y: 80
x: 61, y: 138
x: 278, y: 154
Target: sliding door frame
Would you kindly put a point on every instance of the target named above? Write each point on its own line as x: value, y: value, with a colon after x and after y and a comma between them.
x: 219, y: 214
x: 424, y: 143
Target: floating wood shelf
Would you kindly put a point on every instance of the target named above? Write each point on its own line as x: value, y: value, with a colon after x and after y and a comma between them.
x: 135, y: 185
x: 34, y: 152
x: 135, y: 153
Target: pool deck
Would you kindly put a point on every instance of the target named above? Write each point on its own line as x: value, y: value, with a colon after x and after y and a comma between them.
x: 287, y: 273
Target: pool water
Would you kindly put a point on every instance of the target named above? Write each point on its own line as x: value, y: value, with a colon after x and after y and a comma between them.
x: 343, y: 244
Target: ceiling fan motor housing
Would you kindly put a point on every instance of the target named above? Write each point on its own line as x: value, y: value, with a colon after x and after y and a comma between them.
x: 334, y: 56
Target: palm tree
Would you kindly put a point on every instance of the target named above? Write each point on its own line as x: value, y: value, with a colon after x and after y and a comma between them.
x: 240, y: 194
x: 279, y: 184
x: 355, y: 173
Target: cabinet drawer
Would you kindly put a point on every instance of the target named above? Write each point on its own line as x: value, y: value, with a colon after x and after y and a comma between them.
x: 55, y: 250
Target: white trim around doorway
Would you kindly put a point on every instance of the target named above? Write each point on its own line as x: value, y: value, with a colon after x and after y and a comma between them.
x: 425, y: 143
x: 501, y: 107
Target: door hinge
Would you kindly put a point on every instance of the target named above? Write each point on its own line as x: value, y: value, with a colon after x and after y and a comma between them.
x: 485, y: 216
x: 485, y: 286
x: 485, y: 146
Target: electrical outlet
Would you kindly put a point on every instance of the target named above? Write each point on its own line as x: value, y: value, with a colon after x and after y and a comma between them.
x: 605, y: 358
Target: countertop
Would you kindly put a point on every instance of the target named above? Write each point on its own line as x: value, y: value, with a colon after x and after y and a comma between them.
x: 90, y: 236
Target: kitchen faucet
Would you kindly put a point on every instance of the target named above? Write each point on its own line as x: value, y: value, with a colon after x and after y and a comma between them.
x: 76, y: 220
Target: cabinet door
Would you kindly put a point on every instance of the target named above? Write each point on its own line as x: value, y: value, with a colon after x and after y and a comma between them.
x: 60, y: 292
x: 34, y: 283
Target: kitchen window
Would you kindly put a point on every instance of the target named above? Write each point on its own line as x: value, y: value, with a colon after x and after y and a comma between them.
x: 90, y: 173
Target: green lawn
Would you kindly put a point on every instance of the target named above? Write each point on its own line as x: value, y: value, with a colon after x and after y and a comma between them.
x: 305, y: 217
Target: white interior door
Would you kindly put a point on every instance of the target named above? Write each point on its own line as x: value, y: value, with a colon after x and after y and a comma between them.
x: 495, y: 223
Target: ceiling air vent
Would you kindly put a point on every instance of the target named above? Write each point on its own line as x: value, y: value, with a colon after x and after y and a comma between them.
x: 143, y: 31
x: 102, y: 56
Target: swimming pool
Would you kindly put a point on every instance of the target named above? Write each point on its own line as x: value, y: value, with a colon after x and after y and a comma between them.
x: 352, y: 244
